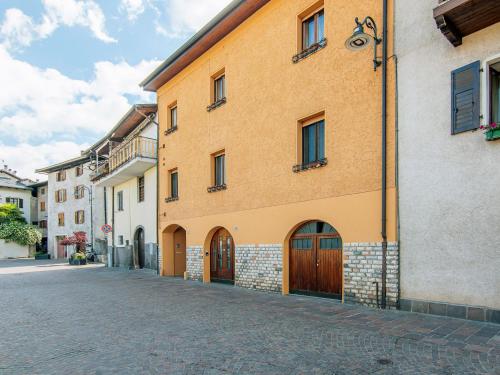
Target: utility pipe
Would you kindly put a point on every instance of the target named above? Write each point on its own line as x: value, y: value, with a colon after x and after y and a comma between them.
x: 384, y: 155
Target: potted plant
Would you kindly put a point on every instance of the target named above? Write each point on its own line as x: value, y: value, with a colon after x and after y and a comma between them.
x: 491, y: 131
x: 78, y: 259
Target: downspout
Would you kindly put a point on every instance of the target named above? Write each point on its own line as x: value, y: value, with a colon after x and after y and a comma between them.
x: 157, y: 198
x: 384, y: 155
x: 113, y: 226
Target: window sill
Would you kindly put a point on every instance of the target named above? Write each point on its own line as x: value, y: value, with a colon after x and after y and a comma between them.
x: 170, y: 130
x: 215, y: 188
x: 171, y: 199
x: 304, y: 167
x: 216, y: 104
x: 309, y: 51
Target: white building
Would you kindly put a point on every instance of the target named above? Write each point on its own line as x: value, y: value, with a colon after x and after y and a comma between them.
x: 69, y: 206
x: 448, y: 173
x: 129, y: 177
x: 14, y: 190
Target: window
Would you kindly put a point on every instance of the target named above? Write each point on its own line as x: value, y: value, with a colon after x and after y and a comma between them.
x: 79, y: 170
x: 313, y: 29
x: 313, y: 142
x: 120, y: 240
x: 18, y: 202
x: 119, y: 197
x: 60, y: 195
x: 61, y: 176
x: 79, y: 191
x: 174, y: 184
x: 465, y: 114
x: 42, y: 224
x: 173, y: 116
x: 140, y: 189
x: 42, y: 191
x: 495, y: 93
x: 220, y: 170
x: 219, y: 88
x: 42, y: 206
x: 80, y: 217
x: 60, y: 219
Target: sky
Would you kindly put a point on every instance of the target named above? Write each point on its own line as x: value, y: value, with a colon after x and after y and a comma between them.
x: 70, y: 69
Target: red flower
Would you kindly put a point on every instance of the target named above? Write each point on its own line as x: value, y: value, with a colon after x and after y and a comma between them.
x: 493, y: 125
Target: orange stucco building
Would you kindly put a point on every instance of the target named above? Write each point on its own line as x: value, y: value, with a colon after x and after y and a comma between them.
x: 270, y: 152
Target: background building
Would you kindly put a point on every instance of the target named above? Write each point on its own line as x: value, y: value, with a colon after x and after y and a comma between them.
x: 40, y: 210
x: 449, y: 69
x: 14, y: 190
x: 128, y: 173
x: 69, y: 205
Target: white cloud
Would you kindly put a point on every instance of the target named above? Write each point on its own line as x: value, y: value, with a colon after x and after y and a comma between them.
x: 43, y: 103
x: 133, y: 8
x: 188, y: 16
x: 19, y: 30
x: 25, y: 158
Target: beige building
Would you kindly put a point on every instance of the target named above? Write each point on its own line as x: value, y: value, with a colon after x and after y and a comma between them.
x: 127, y: 172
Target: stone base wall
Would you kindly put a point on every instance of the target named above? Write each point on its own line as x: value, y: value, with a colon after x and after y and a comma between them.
x: 194, y: 262
x: 363, y: 268
x: 259, y: 267
x: 123, y: 256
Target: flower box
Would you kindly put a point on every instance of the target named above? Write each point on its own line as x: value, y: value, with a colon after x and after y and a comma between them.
x: 492, y: 134
x: 77, y: 262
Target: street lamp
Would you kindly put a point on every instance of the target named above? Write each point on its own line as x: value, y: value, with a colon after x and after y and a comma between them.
x: 360, y: 40
x: 356, y: 42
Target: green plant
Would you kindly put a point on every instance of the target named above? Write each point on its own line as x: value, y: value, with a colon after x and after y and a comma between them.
x: 20, y: 233
x: 78, y: 256
x: 10, y: 212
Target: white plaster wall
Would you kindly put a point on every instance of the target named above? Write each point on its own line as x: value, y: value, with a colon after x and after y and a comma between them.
x: 42, y: 215
x: 449, y: 184
x: 25, y: 195
x: 135, y: 214
x: 71, y: 206
x: 13, y: 250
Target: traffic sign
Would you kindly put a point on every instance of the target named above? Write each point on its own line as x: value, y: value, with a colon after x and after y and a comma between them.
x: 106, y: 228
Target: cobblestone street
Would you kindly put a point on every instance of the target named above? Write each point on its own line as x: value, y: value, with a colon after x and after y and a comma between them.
x: 56, y: 319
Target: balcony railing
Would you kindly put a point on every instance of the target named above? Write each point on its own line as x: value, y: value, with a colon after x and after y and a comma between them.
x: 135, y: 148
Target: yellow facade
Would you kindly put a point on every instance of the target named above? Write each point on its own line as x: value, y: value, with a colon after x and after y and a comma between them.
x: 268, y: 96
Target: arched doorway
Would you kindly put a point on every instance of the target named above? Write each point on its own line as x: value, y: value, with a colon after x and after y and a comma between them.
x: 139, y: 247
x: 316, y: 260
x: 179, y: 252
x: 222, y: 257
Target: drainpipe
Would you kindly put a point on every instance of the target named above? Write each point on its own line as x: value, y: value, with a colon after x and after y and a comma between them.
x: 157, y: 198
x: 384, y: 155
x: 113, y: 226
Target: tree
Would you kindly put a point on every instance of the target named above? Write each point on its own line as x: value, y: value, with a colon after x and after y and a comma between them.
x: 10, y: 212
x: 78, y: 238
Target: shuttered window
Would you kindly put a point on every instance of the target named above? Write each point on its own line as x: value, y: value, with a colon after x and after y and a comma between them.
x: 465, y: 100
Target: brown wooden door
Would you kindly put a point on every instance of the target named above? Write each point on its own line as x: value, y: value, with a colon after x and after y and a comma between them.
x: 222, y: 257
x: 316, y: 260
x: 179, y: 252
x: 61, y: 253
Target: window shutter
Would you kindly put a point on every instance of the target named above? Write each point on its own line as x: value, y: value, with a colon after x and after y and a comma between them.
x: 56, y: 196
x: 20, y: 203
x: 465, y: 100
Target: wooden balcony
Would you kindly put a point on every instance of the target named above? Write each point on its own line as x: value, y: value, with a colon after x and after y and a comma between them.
x: 129, y: 159
x: 458, y: 18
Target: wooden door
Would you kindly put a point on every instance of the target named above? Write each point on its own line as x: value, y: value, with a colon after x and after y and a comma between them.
x: 179, y: 252
x: 222, y: 257
x: 140, y: 245
x: 61, y: 253
x: 316, y: 260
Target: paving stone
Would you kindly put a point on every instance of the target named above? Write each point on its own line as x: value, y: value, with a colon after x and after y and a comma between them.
x: 61, y: 320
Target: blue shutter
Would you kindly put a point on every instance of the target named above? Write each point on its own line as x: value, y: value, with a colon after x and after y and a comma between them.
x: 465, y: 99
